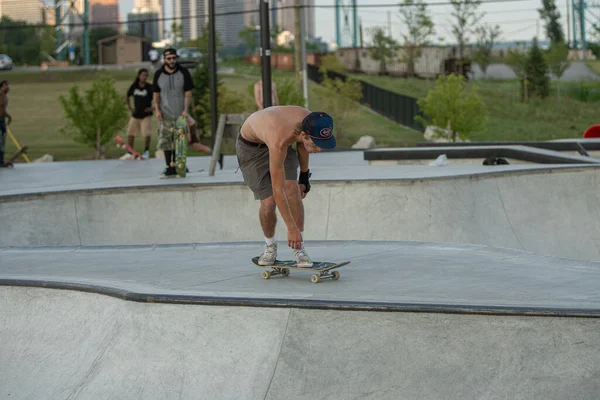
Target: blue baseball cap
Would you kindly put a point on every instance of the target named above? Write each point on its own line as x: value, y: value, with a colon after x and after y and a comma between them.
x: 319, y: 126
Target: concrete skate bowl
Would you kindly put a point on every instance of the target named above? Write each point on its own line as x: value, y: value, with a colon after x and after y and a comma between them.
x: 550, y: 211
x: 61, y: 344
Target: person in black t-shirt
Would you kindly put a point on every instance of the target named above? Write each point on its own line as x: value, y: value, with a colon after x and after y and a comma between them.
x: 141, y: 112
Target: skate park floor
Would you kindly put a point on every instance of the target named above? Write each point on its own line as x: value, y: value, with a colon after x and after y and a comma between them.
x: 429, y: 317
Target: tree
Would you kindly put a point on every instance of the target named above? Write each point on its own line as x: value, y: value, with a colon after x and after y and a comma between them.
x: 94, y: 118
x: 250, y: 38
x: 419, y: 26
x: 558, y: 62
x: 467, y: 17
x: 516, y: 59
x: 176, y: 33
x: 383, y: 48
x: 551, y: 17
x: 202, y: 42
x: 452, y: 105
x: 340, y: 98
x: 228, y: 101
x: 486, y: 35
x: 537, y: 72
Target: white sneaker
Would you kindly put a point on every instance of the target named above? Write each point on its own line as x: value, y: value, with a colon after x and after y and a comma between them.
x: 145, y: 155
x: 302, y: 259
x: 269, y: 256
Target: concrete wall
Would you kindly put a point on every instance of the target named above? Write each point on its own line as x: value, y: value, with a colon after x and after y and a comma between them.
x: 65, y: 344
x: 553, y: 213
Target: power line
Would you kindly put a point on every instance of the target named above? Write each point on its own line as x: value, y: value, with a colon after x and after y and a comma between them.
x: 226, y: 13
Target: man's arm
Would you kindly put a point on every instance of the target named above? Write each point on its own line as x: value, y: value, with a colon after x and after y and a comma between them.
x: 258, y: 95
x: 188, y: 85
x: 156, y: 94
x: 303, y: 156
x: 275, y: 97
x: 276, y: 161
x: 187, y: 102
x: 128, y: 97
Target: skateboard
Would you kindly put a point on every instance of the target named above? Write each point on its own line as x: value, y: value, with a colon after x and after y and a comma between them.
x: 180, y: 140
x: 283, y: 268
x: 127, y: 147
x: 10, y: 163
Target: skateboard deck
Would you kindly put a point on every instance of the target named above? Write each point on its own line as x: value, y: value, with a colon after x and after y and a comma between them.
x: 283, y: 268
x: 10, y: 163
x: 126, y: 146
x: 180, y: 140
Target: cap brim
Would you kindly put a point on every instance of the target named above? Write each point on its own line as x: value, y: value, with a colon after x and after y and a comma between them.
x: 325, y: 144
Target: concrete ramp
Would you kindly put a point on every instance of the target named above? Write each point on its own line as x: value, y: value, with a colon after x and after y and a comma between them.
x: 547, y: 211
x: 59, y: 344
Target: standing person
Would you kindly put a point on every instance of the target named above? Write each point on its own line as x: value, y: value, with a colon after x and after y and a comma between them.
x: 258, y: 94
x: 141, y: 112
x: 269, y: 165
x: 172, y: 88
x: 5, y: 118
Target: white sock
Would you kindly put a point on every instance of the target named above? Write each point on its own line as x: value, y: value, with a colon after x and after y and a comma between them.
x: 270, y: 240
x: 302, y: 234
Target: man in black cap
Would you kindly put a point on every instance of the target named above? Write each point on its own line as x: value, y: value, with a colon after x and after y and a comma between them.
x: 269, y: 165
x: 172, y: 88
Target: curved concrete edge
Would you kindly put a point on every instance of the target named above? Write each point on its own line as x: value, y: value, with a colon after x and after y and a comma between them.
x: 164, y: 298
x: 76, y: 345
x: 493, y: 172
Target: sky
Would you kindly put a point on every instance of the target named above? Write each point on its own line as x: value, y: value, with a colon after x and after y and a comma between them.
x: 518, y: 19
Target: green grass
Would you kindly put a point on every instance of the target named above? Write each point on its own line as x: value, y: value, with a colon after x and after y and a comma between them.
x: 594, y: 65
x: 510, y: 119
x: 38, y: 116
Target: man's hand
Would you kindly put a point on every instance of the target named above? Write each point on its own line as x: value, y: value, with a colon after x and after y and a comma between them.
x: 184, y: 114
x: 159, y: 115
x: 294, y: 238
x: 9, y: 119
x: 303, y: 183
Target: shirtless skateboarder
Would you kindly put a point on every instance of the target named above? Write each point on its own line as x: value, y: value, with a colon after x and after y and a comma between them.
x: 269, y: 165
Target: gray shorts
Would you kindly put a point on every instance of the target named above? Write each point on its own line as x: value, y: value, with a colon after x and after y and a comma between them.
x: 253, y: 159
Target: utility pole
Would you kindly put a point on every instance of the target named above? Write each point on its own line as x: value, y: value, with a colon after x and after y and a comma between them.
x: 265, y: 53
x: 568, y: 24
x: 298, y: 43
x: 86, y: 32
x: 303, y: 45
x: 389, y: 23
x: 212, y: 70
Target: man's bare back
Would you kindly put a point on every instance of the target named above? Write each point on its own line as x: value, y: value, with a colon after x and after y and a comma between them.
x: 274, y: 126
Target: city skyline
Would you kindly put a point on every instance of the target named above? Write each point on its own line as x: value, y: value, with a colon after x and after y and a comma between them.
x: 519, y: 20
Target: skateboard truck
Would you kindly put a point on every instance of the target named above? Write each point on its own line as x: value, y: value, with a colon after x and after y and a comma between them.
x: 315, y: 278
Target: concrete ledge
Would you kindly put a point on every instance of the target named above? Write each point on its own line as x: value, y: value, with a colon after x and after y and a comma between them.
x: 536, y: 155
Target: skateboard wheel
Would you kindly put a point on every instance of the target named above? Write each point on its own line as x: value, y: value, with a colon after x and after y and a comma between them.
x: 315, y: 278
x: 335, y: 275
x: 285, y: 271
x: 266, y: 274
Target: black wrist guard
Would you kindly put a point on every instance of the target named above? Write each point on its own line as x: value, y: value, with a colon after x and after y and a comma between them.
x: 303, y: 180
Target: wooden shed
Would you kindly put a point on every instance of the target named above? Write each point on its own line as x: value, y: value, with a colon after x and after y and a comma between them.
x: 121, y: 49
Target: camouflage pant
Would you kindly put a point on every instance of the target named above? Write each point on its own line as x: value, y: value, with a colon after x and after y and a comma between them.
x: 165, y: 135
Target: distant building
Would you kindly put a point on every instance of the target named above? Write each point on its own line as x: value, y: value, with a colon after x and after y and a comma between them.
x: 104, y: 13
x: 152, y: 6
x: 226, y: 26
x: 29, y: 11
x: 122, y: 49
x: 149, y: 28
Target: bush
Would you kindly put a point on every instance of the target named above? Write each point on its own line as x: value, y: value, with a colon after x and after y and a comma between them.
x: 537, y: 72
x: 452, y: 105
x: 94, y: 118
x: 340, y: 99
